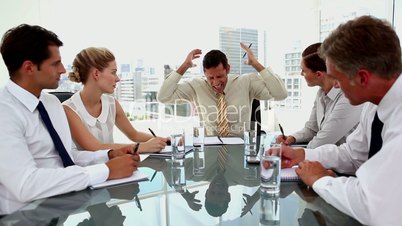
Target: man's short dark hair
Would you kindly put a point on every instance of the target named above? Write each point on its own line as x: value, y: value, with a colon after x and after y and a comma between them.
x: 26, y: 42
x: 213, y: 58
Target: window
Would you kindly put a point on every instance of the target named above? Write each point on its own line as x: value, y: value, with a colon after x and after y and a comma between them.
x: 146, y: 49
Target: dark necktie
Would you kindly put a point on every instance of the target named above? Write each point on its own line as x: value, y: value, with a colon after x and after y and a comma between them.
x: 55, y: 137
x: 376, y: 139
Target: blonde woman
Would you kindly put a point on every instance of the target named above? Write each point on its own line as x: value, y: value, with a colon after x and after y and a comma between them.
x: 92, y: 112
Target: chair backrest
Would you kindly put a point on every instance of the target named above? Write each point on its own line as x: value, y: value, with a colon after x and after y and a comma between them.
x: 256, y: 114
x: 62, y: 96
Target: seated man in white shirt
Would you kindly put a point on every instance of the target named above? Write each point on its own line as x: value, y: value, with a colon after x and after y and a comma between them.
x: 364, y: 57
x: 32, y: 158
x: 238, y: 91
x: 332, y: 118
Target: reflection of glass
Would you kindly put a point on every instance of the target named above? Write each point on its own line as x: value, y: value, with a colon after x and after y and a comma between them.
x: 179, y: 176
x: 250, y: 170
x: 269, y: 209
x: 199, y: 161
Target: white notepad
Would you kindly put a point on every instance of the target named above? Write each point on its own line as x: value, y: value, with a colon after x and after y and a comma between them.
x: 137, y: 176
x: 225, y: 140
x: 289, y: 174
x: 167, y: 152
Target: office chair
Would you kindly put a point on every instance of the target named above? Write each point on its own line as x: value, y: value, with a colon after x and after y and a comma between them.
x: 256, y: 116
x: 62, y: 96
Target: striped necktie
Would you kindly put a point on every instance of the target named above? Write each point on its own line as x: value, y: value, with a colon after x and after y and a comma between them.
x: 223, y: 125
x: 222, y: 158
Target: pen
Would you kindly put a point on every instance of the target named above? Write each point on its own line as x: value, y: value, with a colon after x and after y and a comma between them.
x: 283, y: 134
x: 152, y: 132
x: 135, y: 148
x: 153, y: 176
x: 219, y: 138
x: 137, y: 202
x: 246, y: 52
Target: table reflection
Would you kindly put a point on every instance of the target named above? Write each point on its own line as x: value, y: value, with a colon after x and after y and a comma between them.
x: 213, y: 186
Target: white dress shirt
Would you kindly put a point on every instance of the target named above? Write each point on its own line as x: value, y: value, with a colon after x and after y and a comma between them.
x: 374, y: 196
x: 239, y: 92
x: 100, y: 127
x: 332, y: 119
x: 30, y: 166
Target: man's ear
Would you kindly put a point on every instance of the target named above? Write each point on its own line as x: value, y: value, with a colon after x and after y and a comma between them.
x: 228, y: 69
x: 363, y: 77
x: 28, y: 67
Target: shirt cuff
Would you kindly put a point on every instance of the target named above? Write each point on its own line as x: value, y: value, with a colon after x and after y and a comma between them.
x: 321, y: 183
x: 97, y: 173
x: 311, y: 154
x: 266, y: 72
x: 102, y: 155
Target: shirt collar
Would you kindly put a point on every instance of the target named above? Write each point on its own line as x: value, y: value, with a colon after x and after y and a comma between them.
x: 89, y: 119
x: 333, y: 93
x: 393, y: 94
x: 29, y: 100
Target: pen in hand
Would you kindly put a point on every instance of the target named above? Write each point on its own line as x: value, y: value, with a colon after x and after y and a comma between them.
x: 152, y: 132
x: 283, y: 134
x: 249, y: 48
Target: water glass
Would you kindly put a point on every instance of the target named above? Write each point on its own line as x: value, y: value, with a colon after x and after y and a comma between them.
x: 250, y: 137
x: 269, y: 209
x: 270, y: 164
x: 178, y: 145
x: 199, y: 134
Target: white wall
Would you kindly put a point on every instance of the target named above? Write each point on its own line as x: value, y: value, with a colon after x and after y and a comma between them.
x: 13, y: 13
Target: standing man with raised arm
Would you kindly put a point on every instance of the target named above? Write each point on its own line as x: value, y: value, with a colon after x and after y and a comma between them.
x: 364, y: 57
x: 36, y: 159
x: 222, y: 100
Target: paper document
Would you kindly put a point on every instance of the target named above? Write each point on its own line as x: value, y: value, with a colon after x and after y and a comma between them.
x: 137, y: 176
x: 167, y: 152
x: 225, y: 140
x: 289, y: 174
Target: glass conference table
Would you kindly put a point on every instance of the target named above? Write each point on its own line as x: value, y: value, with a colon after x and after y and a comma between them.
x: 196, y: 191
